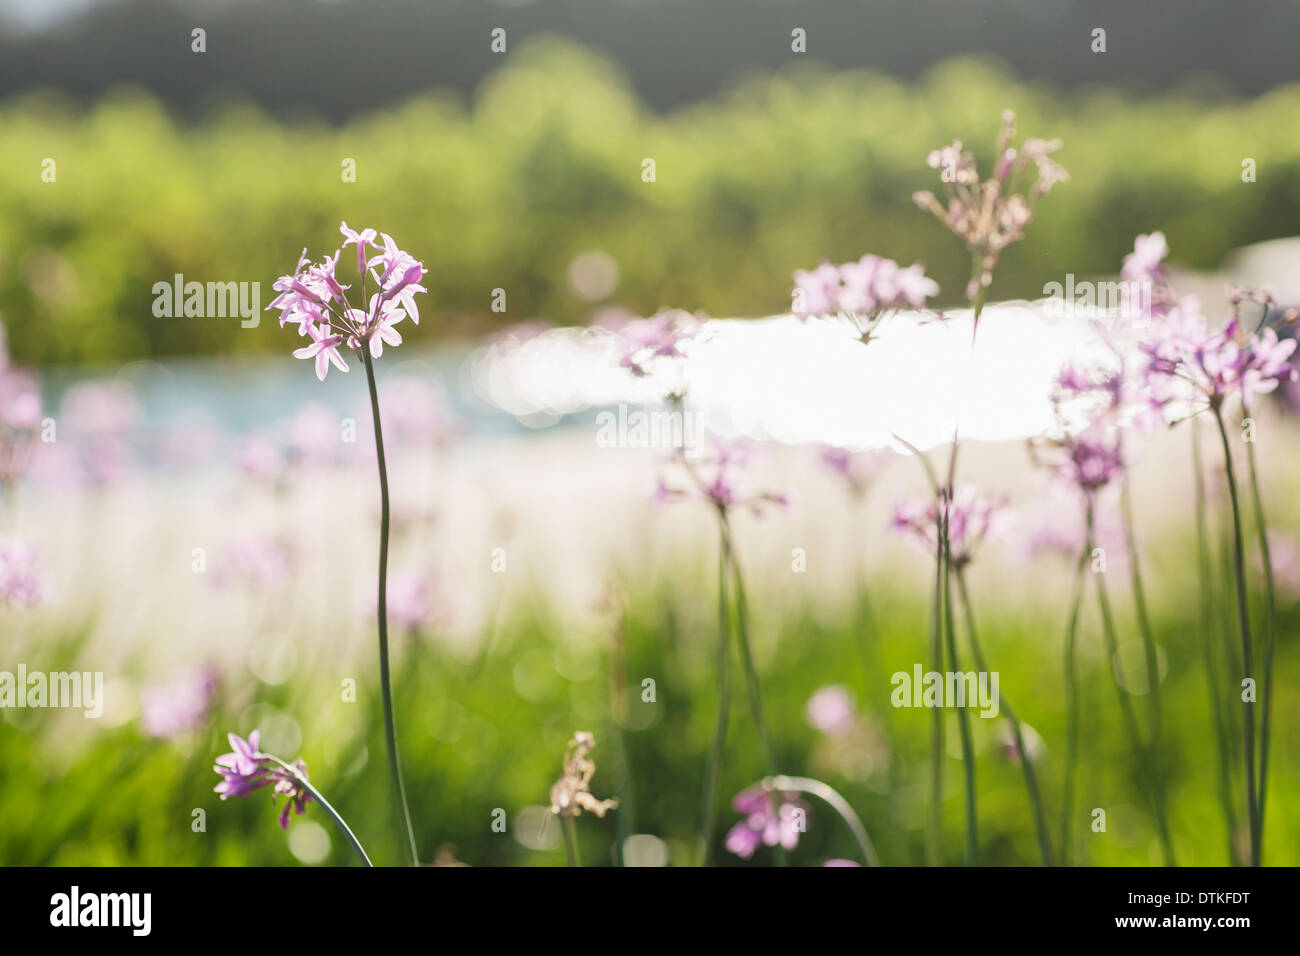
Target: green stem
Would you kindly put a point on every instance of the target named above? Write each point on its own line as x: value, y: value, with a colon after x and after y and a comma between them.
x: 747, y: 658
x: 724, y: 706
x: 1004, y: 705
x: 1072, y: 689
x: 1243, y: 620
x: 963, y: 713
x: 385, y: 683
x: 747, y: 655
x: 1148, y: 649
x: 1270, y: 632
x: 1130, y: 718
x: 1207, y: 615
x: 837, y: 803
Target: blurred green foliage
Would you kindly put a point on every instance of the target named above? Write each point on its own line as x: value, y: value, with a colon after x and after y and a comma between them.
x: 488, y: 731
x: 546, y: 164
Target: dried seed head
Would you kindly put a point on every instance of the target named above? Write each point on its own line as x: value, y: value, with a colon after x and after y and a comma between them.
x: 571, y: 794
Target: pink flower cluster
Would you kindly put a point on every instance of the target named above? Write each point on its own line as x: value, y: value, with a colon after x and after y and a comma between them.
x: 869, y: 287
x: 314, y: 299
x: 972, y: 517
x: 246, y: 769
x: 1186, y: 360
x: 1223, y: 363
x: 661, y: 336
x: 769, y: 818
x: 857, y: 469
x: 716, y: 479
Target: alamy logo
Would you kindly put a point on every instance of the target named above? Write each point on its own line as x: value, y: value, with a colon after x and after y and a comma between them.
x: 950, y: 689
x: 648, y: 429
x: 1128, y: 299
x: 84, y: 690
x: 215, y: 300
x: 74, y: 908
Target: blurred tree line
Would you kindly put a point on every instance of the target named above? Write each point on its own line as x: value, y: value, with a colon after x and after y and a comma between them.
x: 546, y: 162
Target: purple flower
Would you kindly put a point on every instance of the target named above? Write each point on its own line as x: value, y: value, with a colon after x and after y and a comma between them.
x: 716, y: 478
x: 971, y: 518
x: 289, y: 785
x: 858, y: 469
x: 989, y: 215
x: 246, y: 770
x: 658, y: 337
x: 324, y: 349
x: 314, y: 299
x: 769, y: 818
x: 865, y: 292
x: 1144, y: 263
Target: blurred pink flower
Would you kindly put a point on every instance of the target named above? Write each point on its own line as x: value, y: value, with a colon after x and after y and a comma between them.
x: 865, y: 292
x: 100, y: 419
x: 22, y: 583
x: 766, y: 822
x: 258, y: 563
x: 716, y: 478
x: 179, y: 705
x: 831, y: 710
x: 858, y: 469
x: 972, y: 517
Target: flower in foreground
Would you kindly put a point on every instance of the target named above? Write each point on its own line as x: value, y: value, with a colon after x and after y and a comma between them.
x: 314, y: 299
x: 770, y: 818
x: 246, y: 770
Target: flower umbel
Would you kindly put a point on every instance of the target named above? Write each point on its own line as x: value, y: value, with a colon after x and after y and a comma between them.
x: 990, y: 214
x: 863, y: 293
x: 246, y: 769
x: 316, y: 301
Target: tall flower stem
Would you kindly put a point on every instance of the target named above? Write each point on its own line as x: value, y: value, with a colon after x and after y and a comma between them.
x: 831, y: 798
x: 1207, y: 628
x: 1243, y: 620
x: 1148, y: 642
x: 963, y: 713
x: 746, y: 652
x: 1072, y: 688
x: 724, y: 706
x: 934, y: 834
x: 1004, y: 705
x: 329, y: 810
x: 390, y: 732
x: 1270, y: 634
x: 747, y: 658
x: 1131, y: 729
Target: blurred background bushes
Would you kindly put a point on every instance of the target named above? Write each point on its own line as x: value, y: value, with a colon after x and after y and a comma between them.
x: 545, y: 162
